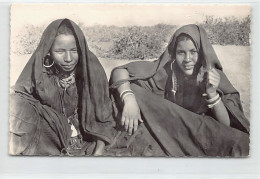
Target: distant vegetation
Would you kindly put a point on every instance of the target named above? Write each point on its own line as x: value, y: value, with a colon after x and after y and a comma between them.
x: 228, y: 31
x: 141, y: 42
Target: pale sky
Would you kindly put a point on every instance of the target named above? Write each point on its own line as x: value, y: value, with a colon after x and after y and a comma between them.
x: 118, y: 14
x: 121, y: 15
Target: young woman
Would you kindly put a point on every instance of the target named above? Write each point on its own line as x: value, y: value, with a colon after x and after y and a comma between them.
x: 61, y: 103
x: 184, y: 101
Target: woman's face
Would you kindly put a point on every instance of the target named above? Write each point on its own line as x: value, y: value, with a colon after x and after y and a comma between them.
x: 186, y: 56
x: 64, y: 52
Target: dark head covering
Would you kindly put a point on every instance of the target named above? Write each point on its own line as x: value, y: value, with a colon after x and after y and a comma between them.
x: 201, y: 41
x: 157, y: 72
x: 95, y: 109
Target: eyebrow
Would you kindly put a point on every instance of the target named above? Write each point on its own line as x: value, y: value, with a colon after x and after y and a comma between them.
x: 59, y: 49
x: 184, y: 50
x: 74, y: 48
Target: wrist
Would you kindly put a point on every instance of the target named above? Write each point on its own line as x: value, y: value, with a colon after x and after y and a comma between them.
x: 213, y: 99
x: 129, y: 98
x: 212, y: 94
x: 126, y: 94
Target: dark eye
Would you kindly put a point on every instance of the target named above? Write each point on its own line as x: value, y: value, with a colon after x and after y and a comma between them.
x: 59, y: 51
x: 74, y: 51
x: 180, y: 52
x: 193, y: 52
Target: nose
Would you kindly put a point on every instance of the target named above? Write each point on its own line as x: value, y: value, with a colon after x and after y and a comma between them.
x: 68, y: 57
x: 187, y: 57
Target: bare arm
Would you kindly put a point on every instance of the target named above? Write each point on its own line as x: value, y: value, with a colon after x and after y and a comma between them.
x: 121, y: 74
x: 131, y: 112
x: 219, y: 110
x: 117, y: 75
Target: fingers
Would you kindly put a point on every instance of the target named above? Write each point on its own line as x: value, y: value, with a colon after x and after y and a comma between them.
x: 140, y: 118
x: 135, y: 125
x: 136, y: 122
x: 214, y: 70
x: 131, y: 117
x: 213, y: 81
x: 123, y: 120
x: 213, y: 78
x: 131, y: 126
x: 126, y: 124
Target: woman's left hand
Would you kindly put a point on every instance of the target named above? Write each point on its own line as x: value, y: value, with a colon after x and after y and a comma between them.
x: 213, y: 80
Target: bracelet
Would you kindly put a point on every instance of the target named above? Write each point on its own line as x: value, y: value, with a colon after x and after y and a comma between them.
x: 215, y: 103
x: 204, y: 94
x: 125, y: 91
x: 125, y: 95
x: 212, y: 100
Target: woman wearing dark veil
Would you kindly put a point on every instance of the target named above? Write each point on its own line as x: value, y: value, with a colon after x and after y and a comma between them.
x: 61, y: 102
x: 181, y: 104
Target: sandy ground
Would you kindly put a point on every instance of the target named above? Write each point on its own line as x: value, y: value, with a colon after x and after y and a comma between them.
x: 234, y: 59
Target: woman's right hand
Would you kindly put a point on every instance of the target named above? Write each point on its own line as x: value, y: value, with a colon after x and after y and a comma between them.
x: 131, y: 114
x: 131, y: 111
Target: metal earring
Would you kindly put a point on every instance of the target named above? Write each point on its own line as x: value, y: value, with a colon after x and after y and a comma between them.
x: 48, y: 59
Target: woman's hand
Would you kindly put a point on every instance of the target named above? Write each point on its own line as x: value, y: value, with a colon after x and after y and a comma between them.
x: 213, y: 80
x: 131, y: 111
x: 131, y: 114
x: 219, y: 110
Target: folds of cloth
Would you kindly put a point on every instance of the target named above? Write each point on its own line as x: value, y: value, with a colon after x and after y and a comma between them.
x: 170, y: 130
x: 37, y: 129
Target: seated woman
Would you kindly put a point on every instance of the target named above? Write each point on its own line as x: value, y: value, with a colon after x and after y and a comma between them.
x: 182, y: 104
x: 61, y: 103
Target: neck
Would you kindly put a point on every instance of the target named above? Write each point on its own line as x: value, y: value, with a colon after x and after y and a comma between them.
x: 66, y: 74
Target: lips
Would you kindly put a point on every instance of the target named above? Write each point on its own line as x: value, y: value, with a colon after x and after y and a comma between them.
x: 188, y: 67
x: 68, y: 67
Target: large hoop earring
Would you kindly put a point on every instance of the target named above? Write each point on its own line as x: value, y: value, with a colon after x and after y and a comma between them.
x: 49, y: 60
x: 172, y: 64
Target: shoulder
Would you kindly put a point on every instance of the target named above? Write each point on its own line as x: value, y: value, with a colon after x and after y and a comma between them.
x: 225, y: 85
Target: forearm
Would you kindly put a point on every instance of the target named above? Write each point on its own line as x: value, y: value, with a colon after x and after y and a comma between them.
x: 220, y: 112
x: 131, y: 111
x: 213, y: 99
x: 121, y: 74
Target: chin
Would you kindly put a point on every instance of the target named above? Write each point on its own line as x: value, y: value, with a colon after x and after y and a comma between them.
x: 68, y: 70
x: 188, y: 72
